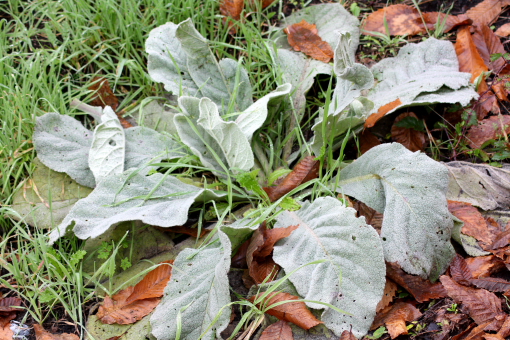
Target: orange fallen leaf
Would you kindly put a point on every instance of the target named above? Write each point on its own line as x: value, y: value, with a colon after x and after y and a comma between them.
x: 505, y: 328
x: 482, y: 305
x: 264, y: 3
x: 390, y: 289
x: 484, y: 266
x: 487, y: 11
x: 406, y: 20
x: 489, y: 128
x: 304, y: 37
x: 422, y: 289
x: 278, y: 331
x: 500, y: 88
x: 500, y: 240
x: 259, y: 253
x: 6, y: 332
x: 399, y: 18
x: 469, y: 57
x: 42, y: 334
x: 295, y: 312
x: 383, y: 110
x: 504, y: 30
x: 231, y: 9
x: 306, y: 170
x: 104, y: 95
x: 133, y: 303
x: 487, y: 43
x: 413, y: 140
x: 395, y: 318
x: 474, y: 223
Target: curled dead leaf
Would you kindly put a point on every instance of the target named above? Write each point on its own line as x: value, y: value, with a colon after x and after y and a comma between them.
x: 295, y: 312
x: 381, y: 112
x: 422, y: 289
x: 395, y: 318
x: 474, y: 223
x: 304, y: 37
x: 390, y: 288
x: 306, y: 170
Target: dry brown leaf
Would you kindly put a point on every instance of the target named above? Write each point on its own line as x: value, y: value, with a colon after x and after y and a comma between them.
x: 422, y: 289
x: 482, y: 305
x: 486, y: 11
x: 277, y: 331
x: 469, y: 58
x: 295, y: 312
x: 492, y: 284
x: 459, y: 270
x: 231, y: 9
x: 42, y: 334
x: 306, y: 170
x: 367, y: 140
x: 501, y: 240
x: 504, y: 30
x: 486, y: 103
x: 153, y: 284
x: 484, y: 266
x: 493, y: 337
x: 372, y: 217
x: 500, y: 88
x: 6, y: 332
x: 264, y: 3
x: 373, y: 118
x: 400, y: 18
x: 487, y: 44
x: 239, y: 259
x: 489, y: 128
x: 504, y: 331
x: 104, y: 94
x: 474, y: 223
x: 259, y: 253
x: 304, y: 37
x: 133, y: 303
x: 346, y: 335
x: 395, y: 318
x: 390, y: 289
x: 449, y: 21
x: 410, y: 138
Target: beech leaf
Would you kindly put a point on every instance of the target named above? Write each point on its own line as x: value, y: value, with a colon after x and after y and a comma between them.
x: 42, y: 334
x: 153, y: 284
x: 396, y: 317
x: 493, y: 127
x: 469, y: 57
x: 421, y: 289
x: 104, y: 95
x: 304, y: 37
x: 352, y: 277
x: 295, y: 312
x: 482, y: 306
x: 410, y: 189
x: 117, y: 310
x: 306, y: 170
x: 459, y: 270
x: 410, y: 138
x: 486, y: 11
x: 474, y: 223
x: 277, y: 331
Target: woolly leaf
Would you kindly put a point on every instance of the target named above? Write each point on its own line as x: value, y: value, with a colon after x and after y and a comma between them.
x: 180, y: 58
x: 63, y: 144
x: 410, y: 189
x: 156, y: 200
x: 195, y: 294
x: 427, y: 72
x: 108, y: 147
x: 353, y: 276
